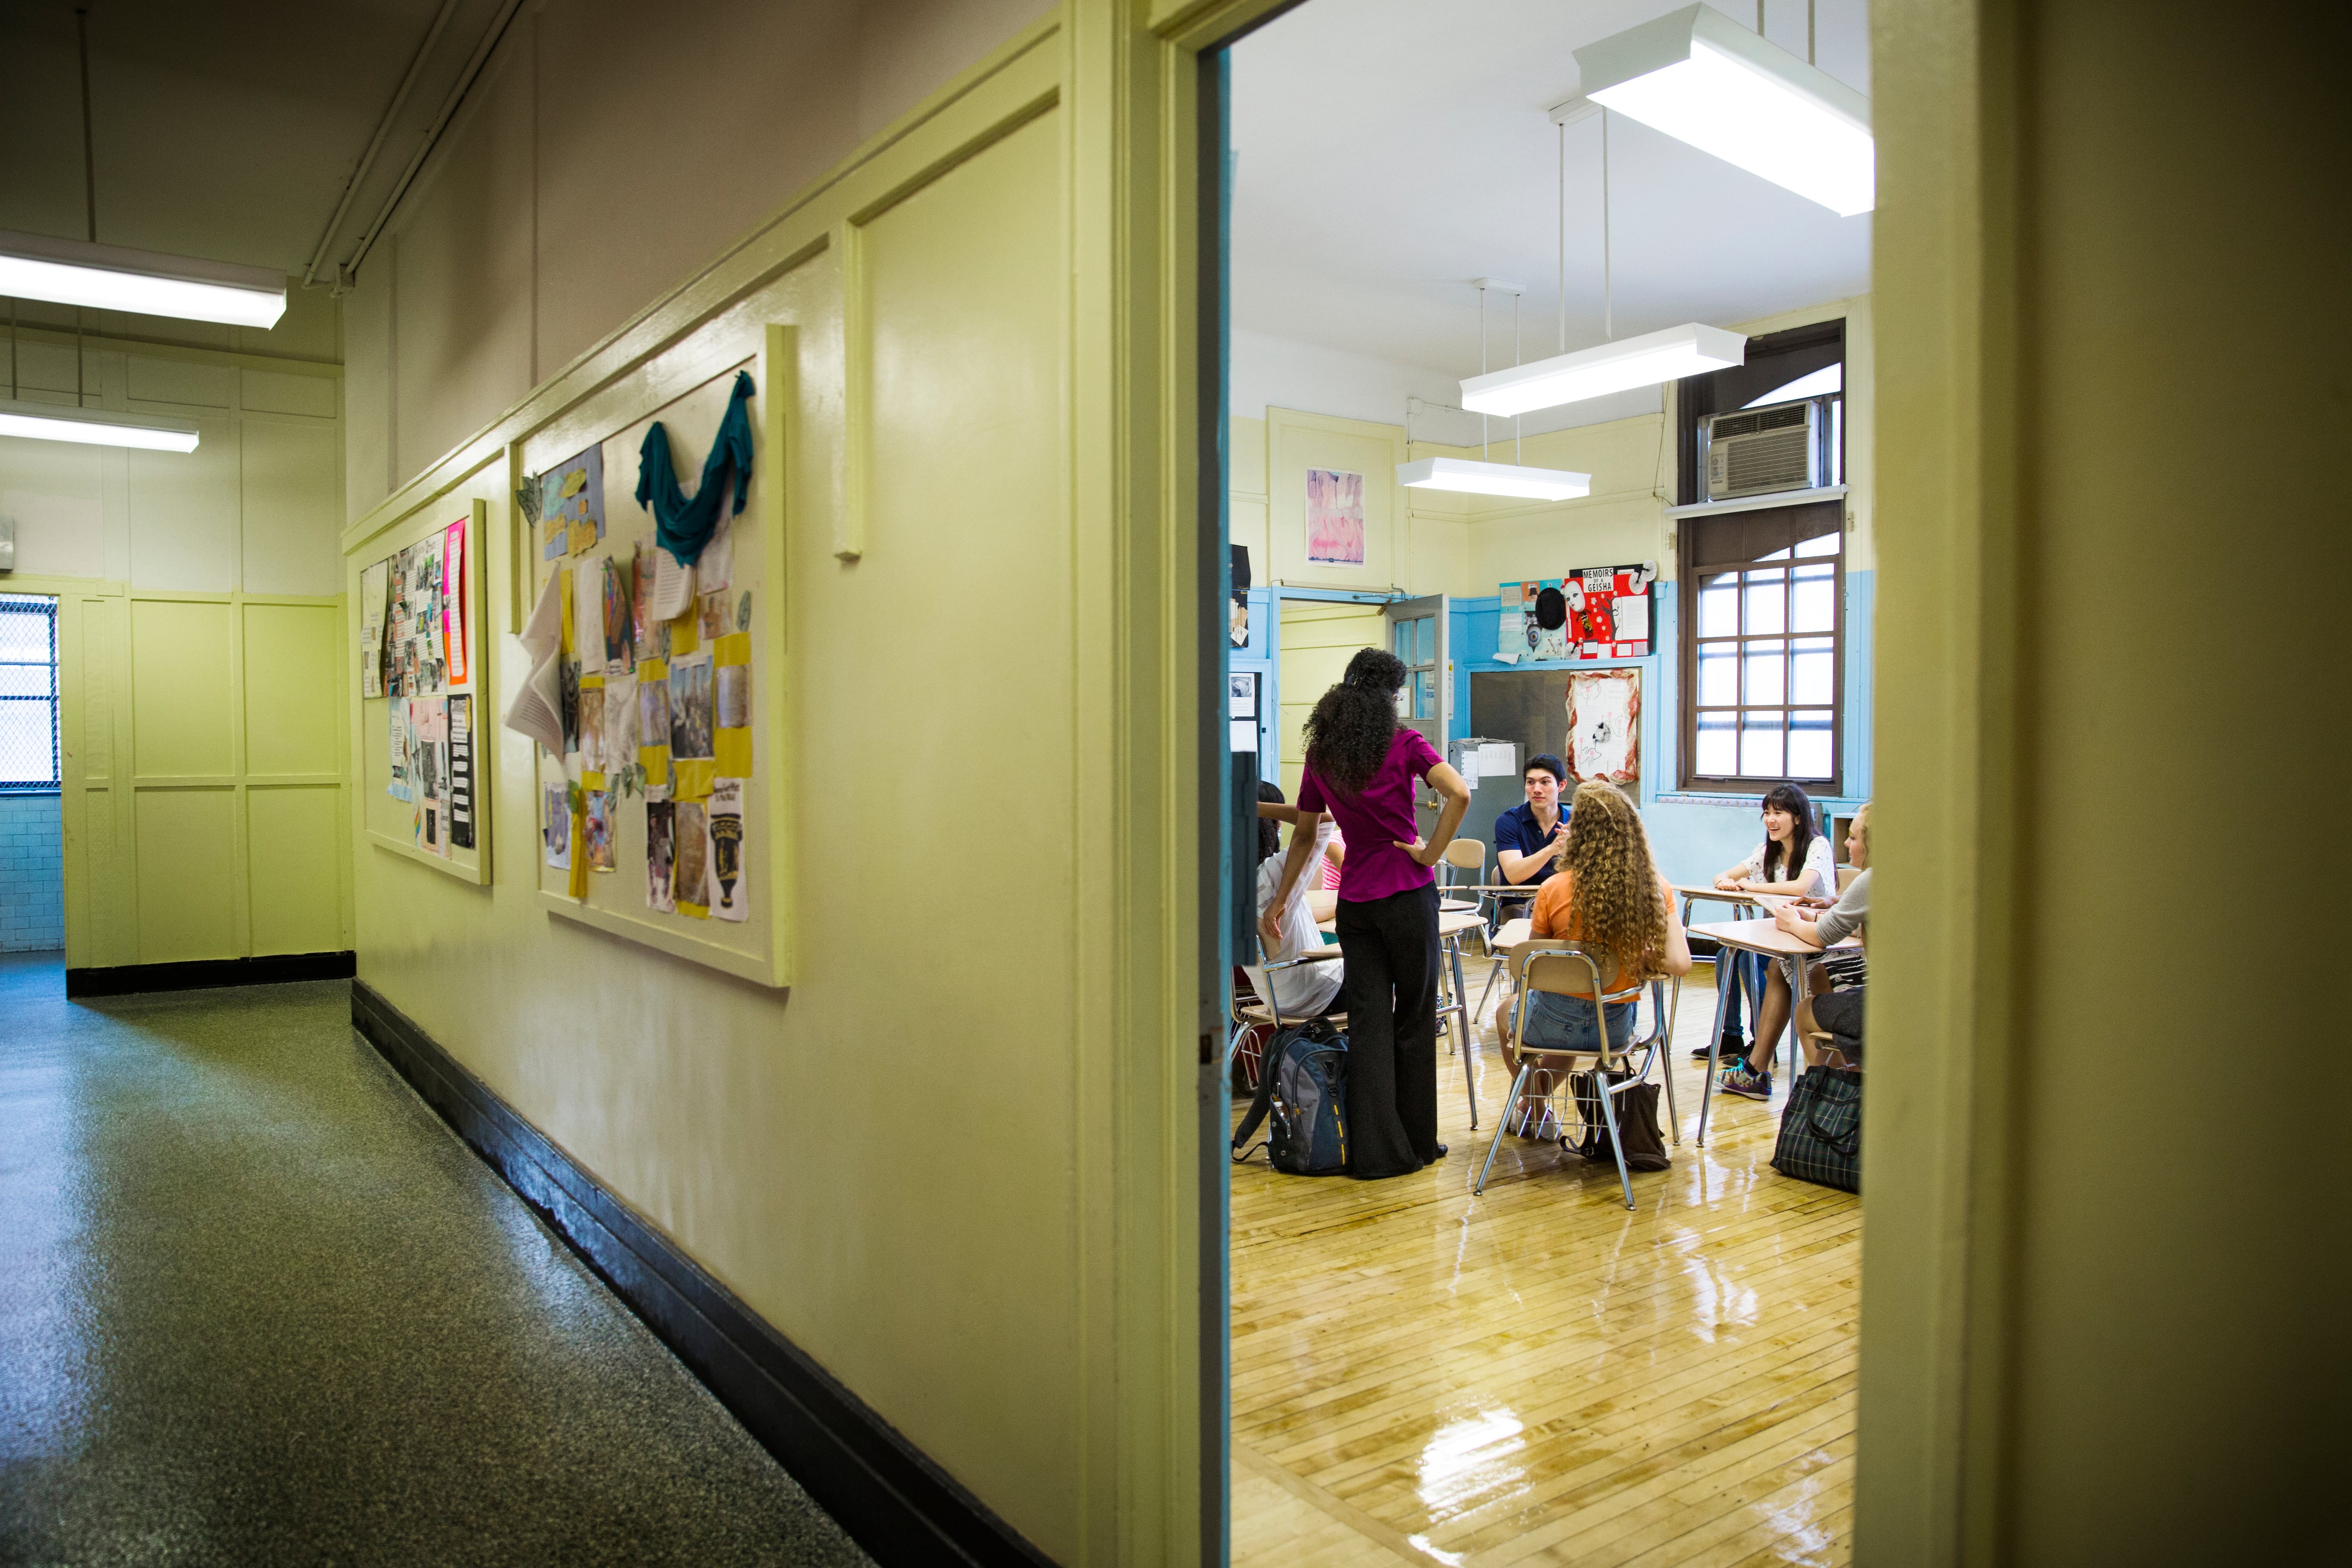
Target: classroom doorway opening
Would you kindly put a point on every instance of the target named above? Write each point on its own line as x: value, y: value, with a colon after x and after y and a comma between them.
x: 32, y: 861
x: 1498, y: 1356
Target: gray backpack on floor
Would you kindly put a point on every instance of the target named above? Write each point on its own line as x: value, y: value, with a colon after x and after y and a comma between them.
x: 1303, y: 1085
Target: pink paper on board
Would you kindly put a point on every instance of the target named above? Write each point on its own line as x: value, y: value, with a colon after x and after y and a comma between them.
x: 453, y: 602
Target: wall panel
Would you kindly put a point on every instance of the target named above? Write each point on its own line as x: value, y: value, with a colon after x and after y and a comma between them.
x: 294, y: 838
x: 183, y: 656
x: 293, y: 684
x: 189, y: 896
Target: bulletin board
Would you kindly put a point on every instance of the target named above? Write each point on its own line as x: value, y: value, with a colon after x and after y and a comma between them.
x: 662, y: 818
x: 421, y: 625
x: 1600, y: 612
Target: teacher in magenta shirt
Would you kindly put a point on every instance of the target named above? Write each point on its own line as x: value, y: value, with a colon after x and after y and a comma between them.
x: 1360, y: 768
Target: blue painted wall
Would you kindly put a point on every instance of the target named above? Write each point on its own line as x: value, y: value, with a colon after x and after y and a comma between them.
x: 1695, y: 836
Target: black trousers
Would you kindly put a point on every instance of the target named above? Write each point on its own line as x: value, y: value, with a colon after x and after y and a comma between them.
x: 1390, y: 993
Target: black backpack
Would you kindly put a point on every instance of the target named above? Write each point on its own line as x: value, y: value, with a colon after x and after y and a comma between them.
x: 1303, y: 1082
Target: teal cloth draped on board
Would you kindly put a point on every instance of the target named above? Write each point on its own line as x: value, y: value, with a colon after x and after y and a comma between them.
x: 681, y: 526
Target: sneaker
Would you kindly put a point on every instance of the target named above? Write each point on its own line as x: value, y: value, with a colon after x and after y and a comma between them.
x: 1732, y: 1050
x: 1743, y: 1079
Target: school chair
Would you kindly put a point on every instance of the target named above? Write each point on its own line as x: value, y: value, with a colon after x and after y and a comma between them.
x: 1556, y: 967
x: 1467, y: 855
x: 1254, y: 1014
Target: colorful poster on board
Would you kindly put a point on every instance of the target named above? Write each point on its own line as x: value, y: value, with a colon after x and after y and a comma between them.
x: 571, y: 505
x: 1600, y: 612
x: 376, y: 595
x: 461, y: 773
x: 453, y: 602
x: 1335, y: 517
x: 731, y: 887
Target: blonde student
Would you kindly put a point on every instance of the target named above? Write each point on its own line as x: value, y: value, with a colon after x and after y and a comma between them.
x: 1608, y: 894
x: 1846, y: 917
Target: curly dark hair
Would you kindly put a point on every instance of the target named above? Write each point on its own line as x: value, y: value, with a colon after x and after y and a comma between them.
x: 1347, y: 734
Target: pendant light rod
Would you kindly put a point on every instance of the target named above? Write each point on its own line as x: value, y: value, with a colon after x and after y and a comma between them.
x: 1515, y: 455
x: 1482, y: 362
x: 1563, y: 237
x: 1608, y: 295
x: 88, y: 152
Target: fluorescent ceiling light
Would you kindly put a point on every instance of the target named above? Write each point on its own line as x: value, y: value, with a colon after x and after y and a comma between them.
x: 146, y: 282
x: 1687, y: 350
x: 1703, y: 78
x: 96, y: 426
x: 1493, y: 478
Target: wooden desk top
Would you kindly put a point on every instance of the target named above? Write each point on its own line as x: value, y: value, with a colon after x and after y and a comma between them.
x: 1448, y: 924
x: 1714, y: 892
x: 1763, y: 936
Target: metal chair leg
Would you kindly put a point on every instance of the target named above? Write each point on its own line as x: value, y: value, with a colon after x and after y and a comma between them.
x: 1667, y: 1045
x: 1461, y: 1011
x: 1517, y: 1083
x: 1616, y: 1144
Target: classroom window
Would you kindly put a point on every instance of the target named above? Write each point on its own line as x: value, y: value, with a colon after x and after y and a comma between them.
x: 1763, y: 622
x: 29, y: 693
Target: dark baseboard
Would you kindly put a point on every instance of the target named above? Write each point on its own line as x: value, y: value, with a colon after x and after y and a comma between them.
x: 898, y: 1505
x: 126, y: 979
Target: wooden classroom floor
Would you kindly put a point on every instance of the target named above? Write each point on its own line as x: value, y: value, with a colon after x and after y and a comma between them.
x: 1539, y: 1375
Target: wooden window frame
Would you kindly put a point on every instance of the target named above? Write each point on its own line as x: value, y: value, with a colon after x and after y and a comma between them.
x: 1763, y: 532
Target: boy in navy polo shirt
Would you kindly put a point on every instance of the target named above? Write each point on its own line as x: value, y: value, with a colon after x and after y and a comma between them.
x: 1527, y: 837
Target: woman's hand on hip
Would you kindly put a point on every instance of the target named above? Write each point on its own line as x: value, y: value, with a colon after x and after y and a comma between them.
x: 1423, y: 855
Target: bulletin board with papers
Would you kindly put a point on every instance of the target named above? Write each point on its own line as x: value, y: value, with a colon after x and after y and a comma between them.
x: 419, y: 622
x: 652, y: 690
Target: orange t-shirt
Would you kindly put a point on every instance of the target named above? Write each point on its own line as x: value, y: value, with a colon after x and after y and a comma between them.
x: 1554, y: 920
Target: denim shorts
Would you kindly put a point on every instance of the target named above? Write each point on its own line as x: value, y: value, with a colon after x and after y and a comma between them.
x: 1566, y: 1023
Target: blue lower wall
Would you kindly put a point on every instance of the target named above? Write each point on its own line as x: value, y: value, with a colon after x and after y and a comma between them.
x: 1695, y: 836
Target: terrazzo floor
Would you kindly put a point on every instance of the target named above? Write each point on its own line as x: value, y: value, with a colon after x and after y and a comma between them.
x: 259, y: 1305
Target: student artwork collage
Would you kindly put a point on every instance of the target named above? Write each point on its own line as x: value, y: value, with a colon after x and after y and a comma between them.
x: 643, y: 688
x: 413, y: 646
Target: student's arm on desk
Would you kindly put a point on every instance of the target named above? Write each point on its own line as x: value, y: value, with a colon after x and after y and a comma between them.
x: 1795, y: 923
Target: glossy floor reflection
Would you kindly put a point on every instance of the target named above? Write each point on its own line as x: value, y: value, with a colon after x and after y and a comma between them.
x: 259, y: 1305
x: 1537, y: 1375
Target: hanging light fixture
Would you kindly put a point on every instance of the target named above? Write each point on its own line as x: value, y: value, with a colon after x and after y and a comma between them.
x: 1702, y: 78
x: 1690, y: 349
x: 96, y: 426
x: 1481, y: 478
x: 116, y: 278
x: 88, y: 275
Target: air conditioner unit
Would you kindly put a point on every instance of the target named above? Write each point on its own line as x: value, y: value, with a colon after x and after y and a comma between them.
x: 1761, y: 451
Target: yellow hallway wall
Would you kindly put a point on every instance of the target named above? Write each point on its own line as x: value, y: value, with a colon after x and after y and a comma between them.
x: 2105, y: 1265
x: 913, y: 1161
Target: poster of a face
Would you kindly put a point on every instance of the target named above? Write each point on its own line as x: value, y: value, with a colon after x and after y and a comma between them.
x: 660, y: 824
x: 1335, y: 517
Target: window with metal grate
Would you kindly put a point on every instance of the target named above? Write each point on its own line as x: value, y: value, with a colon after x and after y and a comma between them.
x: 30, y: 750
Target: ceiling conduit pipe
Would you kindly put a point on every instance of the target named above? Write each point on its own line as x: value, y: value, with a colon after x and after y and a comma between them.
x: 466, y: 78
x: 374, y: 146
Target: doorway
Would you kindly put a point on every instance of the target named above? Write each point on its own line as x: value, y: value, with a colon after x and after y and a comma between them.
x: 1436, y: 1369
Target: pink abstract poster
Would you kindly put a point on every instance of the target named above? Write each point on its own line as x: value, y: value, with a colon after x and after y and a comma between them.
x: 1335, y: 517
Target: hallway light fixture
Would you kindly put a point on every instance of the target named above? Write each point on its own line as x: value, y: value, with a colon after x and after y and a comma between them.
x: 1690, y: 349
x: 96, y: 426
x: 146, y: 282
x: 1480, y: 477
x: 1701, y: 78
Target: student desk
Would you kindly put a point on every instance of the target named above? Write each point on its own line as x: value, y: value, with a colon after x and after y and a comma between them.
x: 1764, y: 937
x: 1451, y: 928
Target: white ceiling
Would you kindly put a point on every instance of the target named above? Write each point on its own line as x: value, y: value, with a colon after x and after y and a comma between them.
x: 1392, y: 150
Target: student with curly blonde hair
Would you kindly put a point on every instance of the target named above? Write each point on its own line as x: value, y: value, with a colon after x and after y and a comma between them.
x: 1608, y: 894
